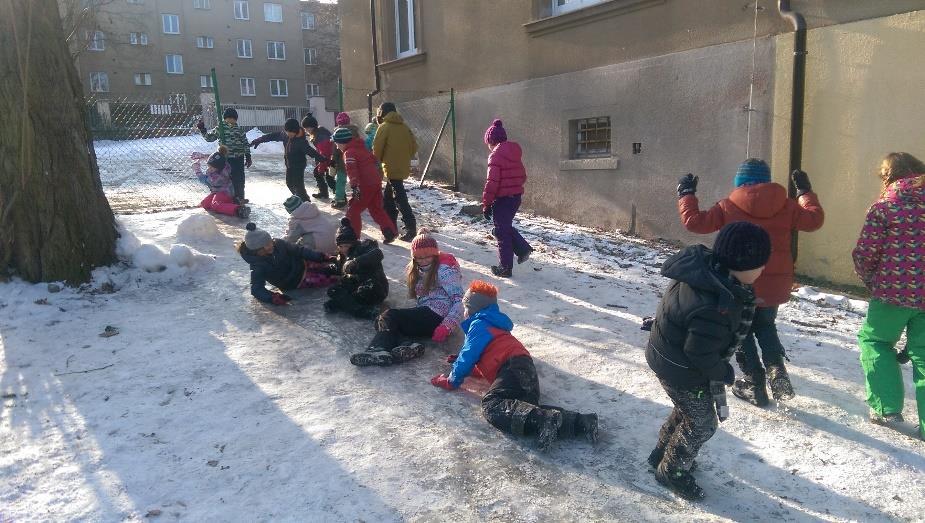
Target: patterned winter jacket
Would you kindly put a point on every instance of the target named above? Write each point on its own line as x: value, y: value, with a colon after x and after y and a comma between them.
x: 220, y: 181
x: 446, y: 297
x: 488, y: 345
x: 506, y: 173
x: 235, y: 139
x: 890, y: 254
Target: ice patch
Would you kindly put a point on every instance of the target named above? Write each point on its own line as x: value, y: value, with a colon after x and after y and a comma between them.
x: 831, y: 300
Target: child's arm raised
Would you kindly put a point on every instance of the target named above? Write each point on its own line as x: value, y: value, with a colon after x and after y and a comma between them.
x: 278, y: 136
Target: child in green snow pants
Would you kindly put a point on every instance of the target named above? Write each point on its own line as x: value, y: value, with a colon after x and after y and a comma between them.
x: 877, y: 338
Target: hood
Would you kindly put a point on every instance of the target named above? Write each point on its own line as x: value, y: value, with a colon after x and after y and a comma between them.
x: 394, y: 117
x: 906, y: 190
x: 693, y: 266
x: 508, y: 151
x: 762, y: 200
x: 321, y: 134
x: 448, y: 259
x: 306, y: 211
x: 362, y: 247
x: 493, y: 315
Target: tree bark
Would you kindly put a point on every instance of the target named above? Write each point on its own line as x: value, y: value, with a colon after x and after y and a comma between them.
x: 55, y: 221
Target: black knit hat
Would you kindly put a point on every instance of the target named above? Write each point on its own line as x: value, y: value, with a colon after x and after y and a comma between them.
x: 742, y: 246
x: 345, y: 233
x: 310, y: 122
x: 292, y: 125
x: 230, y: 113
x: 386, y: 108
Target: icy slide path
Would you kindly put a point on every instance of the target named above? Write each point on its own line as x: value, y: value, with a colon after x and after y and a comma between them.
x: 218, y: 408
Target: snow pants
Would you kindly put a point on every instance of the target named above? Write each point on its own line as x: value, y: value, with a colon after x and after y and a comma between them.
x: 764, y: 331
x: 877, y: 339
x: 691, y: 423
x: 510, y: 242
x: 338, y: 182
x: 395, y: 324
x: 237, y: 176
x: 295, y: 181
x: 371, y: 199
x: 353, y: 299
x: 220, y: 202
x: 317, y: 274
x: 396, y: 199
x: 322, y: 179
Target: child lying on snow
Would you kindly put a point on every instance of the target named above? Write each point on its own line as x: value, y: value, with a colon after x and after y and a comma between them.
x: 218, y: 179
x: 512, y: 402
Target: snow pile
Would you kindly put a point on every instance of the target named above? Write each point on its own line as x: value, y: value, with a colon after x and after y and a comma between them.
x: 267, y: 148
x: 824, y: 299
x: 151, y: 258
x: 198, y: 228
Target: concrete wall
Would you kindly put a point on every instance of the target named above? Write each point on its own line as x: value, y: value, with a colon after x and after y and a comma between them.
x: 325, y: 39
x: 863, y: 100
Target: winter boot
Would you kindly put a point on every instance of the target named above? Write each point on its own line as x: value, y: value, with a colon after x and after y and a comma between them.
x: 389, y: 237
x: 887, y: 420
x: 339, y: 204
x: 521, y: 258
x: 587, y: 425
x: 501, y: 272
x: 752, y: 389
x: 410, y: 233
x: 242, y: 212
x: 549, y: 429
x: 373, y: 356
x: 655, y: 458
x: 403, y: 353
x: 679, y: 481
x: 779, y: 382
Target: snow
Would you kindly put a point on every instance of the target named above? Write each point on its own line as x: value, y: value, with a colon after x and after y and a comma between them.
x: 208, y: 405
x: 266, y: 148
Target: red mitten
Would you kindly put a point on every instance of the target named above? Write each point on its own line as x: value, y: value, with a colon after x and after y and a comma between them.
x: 441, y: 381
x: 281, y: 299
x: 440, y: 333
x: 451, y: 358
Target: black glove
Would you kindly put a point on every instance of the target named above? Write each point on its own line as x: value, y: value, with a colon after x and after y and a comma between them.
x: 201, y: 126
x: 647, y: 323
x: 247, y: 160
x: 801, y: 182
x: 687, y: 185
x: 488, y: 211
x: 356, y: 191
x: 255, y: 143
x: 903, y: 356
x: 730, y: 376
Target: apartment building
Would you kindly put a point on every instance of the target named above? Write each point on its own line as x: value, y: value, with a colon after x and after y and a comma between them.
x: 264, y: 53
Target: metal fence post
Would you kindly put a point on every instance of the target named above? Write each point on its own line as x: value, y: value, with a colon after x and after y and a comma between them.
x: 453, y: 123
x: 218, y: 108
x: 340, y: 94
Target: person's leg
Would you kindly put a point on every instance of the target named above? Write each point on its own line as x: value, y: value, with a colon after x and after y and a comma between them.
x: 503, y: 217
x: 394, y: 325
x: 237, y: 176
x: 877, y: 339
x: 299, y: 183
x: 380, y: 215
x: 752, y: 386
x: 518, y: 243
x: 401, y: 200
x: 340, y: 186
x: 764, y: 327
x: 664, y: 436
x: 223, y: 203
x: 388, y: 202
x: 206, y: 202
x: 915, y: 344
x: 510, y: 404
x: 355, y: 208
x: 322, y: 186
x: 696, y: 425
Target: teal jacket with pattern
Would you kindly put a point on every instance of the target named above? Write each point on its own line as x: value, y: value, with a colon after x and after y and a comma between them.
x: 235, y: 139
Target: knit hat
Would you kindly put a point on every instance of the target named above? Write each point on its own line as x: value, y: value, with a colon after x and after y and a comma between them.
x: 256, y: 238
x: 292, y: 203
x: 310, y: 122
x: 752, y: 171
x: 217, y: 160
x: 495, y: 134
x: 480, y: 295
x: 742, y: 246
x: 342, y: 135
x: 230, y: 113
x: 424, y: 245
x: 386, y: 108
x: 371, y: 128
x: 292, y: 125
x: 341, y: 119
x: 345, y: 233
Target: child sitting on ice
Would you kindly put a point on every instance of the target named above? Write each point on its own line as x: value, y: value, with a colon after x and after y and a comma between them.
x: 308, y: 226
x: 218, y: 178
x: 363, y: 284
x: 512, y: 402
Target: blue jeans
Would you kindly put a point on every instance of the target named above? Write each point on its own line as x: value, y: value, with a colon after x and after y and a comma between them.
x: 510, y: 241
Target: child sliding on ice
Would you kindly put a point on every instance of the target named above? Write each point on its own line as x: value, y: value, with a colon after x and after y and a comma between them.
x: 218, y: 178
x: 363, y: 285
x: 512, y: 402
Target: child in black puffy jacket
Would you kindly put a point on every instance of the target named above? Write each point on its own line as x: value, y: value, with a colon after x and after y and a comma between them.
x: 363, y: 284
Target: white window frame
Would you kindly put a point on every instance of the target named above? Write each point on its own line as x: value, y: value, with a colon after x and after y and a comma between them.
x: 205, y: 42
x: 143, y: 79
x: 202, y: 4
x: 167, y: 62
x: 312, y: 90
x: 271, y: 8
x: 311, y: 55
x: 245, y: 44
x: 571, y: 5
x: 96, y: 41
x: 310, y: 18
x: 205, y: 81
x: 412, y: 39
x: 99, y: 82
x: 280, y: 83
x: 242, y: 10
x: 246, y: 82
x: 136, y: 2
x: 277, y: 45
x: 164, y: 18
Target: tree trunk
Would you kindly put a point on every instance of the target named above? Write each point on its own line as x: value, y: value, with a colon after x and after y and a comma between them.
x: 55, y: 221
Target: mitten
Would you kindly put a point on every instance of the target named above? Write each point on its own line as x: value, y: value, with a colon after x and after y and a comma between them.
x: 281, y: 299
x: 801, y: 182
x: 441, y: 381
x: 687, y: 185
x: 440, y: 333
x: 451, y: 358
x: 247, y: 160
x: 201, y: 126
x: 255, y: 143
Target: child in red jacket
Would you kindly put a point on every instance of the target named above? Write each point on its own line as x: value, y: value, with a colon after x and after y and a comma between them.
x: 363, y: 176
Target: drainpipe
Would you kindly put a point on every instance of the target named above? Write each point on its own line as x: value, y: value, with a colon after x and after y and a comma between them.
x: 796, y: 108
x: 378, y: 89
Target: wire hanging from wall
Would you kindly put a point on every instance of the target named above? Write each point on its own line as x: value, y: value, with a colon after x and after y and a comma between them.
x: 751, y: 87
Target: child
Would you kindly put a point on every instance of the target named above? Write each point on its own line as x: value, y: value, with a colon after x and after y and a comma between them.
x: 297, y: 149
x: 308, y: 227
x: 234, y: 138
x: 512, y: 402
x: 370, y: 131
x: 890, y: 260
x: 360, y: 165
x: 282, y: 264
x: 435, y: 281
x: 340, y: 173
x: 363, y: 284
x: 394, y: 147
x: 501, y: 197
x: 704, y: 315
x: 218, y: 178
x: 321, y: 139
x: 758, y: 200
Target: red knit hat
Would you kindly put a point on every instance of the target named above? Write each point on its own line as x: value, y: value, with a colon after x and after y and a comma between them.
x: 424, y: 245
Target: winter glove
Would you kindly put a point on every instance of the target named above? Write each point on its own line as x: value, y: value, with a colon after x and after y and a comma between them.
x: 451, y: 358
x: 903, y: 356
x: 350, y: 266
x: 647, y: 323
x: 488, y: 211
x: 281, y: 299
x: 801, y: 182
x: 440, y: 333
x: 730, y: 377
x: 356, y: 191
x: 687, y: 185
x: 201, y: 126
x: 441, y: 381
x: 255, y: 143
x: 247, y: 161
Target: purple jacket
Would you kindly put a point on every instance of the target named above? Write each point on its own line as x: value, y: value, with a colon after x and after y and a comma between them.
x: 506, y: 173
x: 890, y: 254
x: 220, y: 181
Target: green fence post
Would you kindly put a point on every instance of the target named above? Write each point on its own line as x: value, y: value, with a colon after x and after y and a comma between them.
x: 218, y: 108
x: 453, y: 123
x: 340, y: 94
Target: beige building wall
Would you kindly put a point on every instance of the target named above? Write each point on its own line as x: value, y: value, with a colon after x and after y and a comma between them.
x: 325, y: 40
x: 864, y: 99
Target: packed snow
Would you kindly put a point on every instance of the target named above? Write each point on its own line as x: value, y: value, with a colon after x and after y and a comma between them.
x: 200, y: 403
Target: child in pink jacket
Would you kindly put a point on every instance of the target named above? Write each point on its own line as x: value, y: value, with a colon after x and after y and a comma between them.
x: 218, y: 178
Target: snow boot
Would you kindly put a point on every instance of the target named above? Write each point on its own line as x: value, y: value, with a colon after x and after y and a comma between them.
x: 752, y: 389
x: 389, y: 237
x: 779, y: 382
x: 587, y: 425
x: 372, y: 356
x: 407, y: 352
x: 410, y: 233
x: 887, y: 420
x: 521, y: 258
x: 243, y: 212
x: 339, y: 204
x: 321, y: 195
x: 655, y: 458
x: 501, y: 272
x: 679, y: 481
x: 549, y: 429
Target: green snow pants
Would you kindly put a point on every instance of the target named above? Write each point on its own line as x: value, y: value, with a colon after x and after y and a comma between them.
x: 877, y: 339
x: 340, y: 185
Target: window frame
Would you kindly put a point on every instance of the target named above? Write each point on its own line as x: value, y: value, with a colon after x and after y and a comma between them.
x: 242, y: 81
x: 276, y: 47
x: 164, y: 24
x: 312, y: 90
x: 142, y: 76
x: 96, y: 41
x: 209, y: 84
x: 97, y: 86
x: 276, y: 5
x: 280, y: 82
x: 207, y: 40
x: 202, y: 4
x: 310, y: 55
x: 599, y: 131
x: 557, y: 10
x: 245, y: 11
x: 167, y: 63
x: 412, y: 37
x: 250, y: 48
x: 305, y: 16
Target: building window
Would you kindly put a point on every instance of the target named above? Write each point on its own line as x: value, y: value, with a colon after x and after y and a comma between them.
x: 406, y: 45
x: 138, y: 38
x: 142, y: 78
x: 99, y: 82
x: 276, y: 50
x: 272, y: 12
x: 205, y: 42
x: 241, y: 10
x: 592, y: 137
x: 171, y: 24
x: 308, y: 21
x: 202, y: 4
x: 311, y: 56
x: 312, y: 90
x: 245, y: 49
x: 96, y: 41
x: 175, y: 64
x: 205, y: 81
x: 279, y: 88
x: 136, y: 2
x: 565, y: 6
x: 247, y: 87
